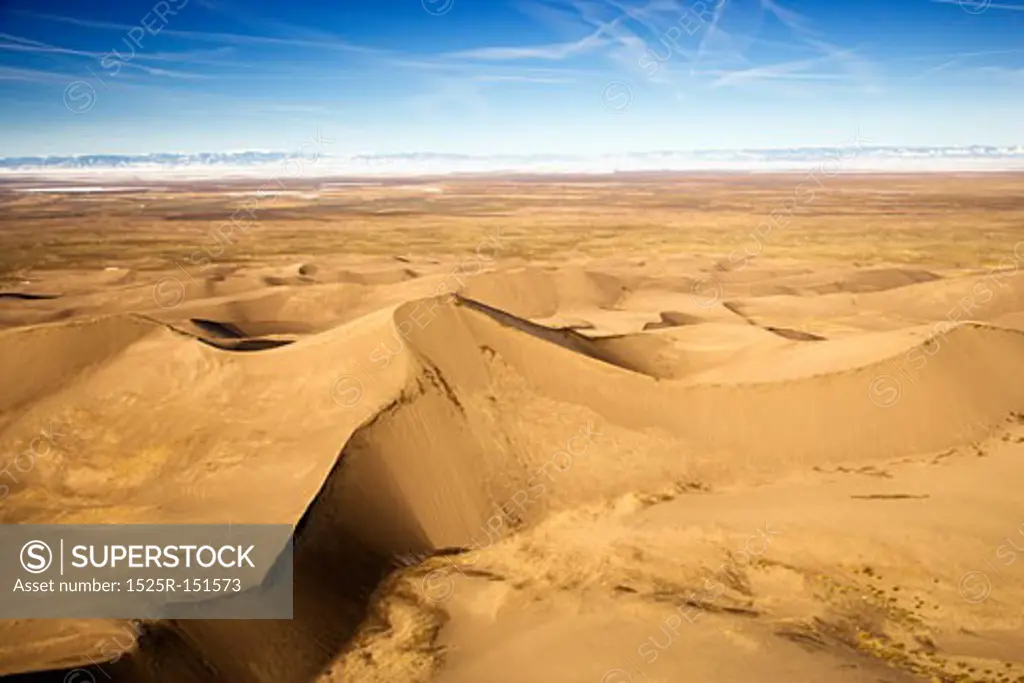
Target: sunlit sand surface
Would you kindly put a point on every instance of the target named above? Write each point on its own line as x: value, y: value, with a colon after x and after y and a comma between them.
x: 611, y: 430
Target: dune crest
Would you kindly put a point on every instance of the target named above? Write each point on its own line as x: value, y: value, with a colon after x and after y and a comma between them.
x: 405, y: 433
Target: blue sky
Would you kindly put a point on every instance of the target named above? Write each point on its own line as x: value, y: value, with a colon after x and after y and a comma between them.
x: 506, y: 76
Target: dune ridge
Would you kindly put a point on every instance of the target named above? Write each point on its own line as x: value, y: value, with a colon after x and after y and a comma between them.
x: 408, y: 425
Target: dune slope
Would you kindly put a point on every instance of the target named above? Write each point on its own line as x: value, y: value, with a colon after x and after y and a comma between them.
x: 470, y: 485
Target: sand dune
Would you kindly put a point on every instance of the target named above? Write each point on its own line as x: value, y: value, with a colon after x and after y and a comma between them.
x: 454, y: 418
x: 588, y: 472
x: 977, y: 297
x: 535, y: 293
x: 851, y: 281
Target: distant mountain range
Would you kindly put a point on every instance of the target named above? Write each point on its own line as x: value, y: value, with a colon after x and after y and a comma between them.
x: 270, y: 163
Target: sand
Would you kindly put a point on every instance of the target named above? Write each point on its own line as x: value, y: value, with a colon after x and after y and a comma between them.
x: 514, y: 453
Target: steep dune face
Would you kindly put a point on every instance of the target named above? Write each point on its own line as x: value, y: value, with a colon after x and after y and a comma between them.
x: 430, y: 433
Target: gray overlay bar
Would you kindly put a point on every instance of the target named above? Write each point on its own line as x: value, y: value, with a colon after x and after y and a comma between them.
x: 145, y: 571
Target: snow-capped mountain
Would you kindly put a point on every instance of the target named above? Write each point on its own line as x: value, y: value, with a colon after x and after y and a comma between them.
x: 844, y: 157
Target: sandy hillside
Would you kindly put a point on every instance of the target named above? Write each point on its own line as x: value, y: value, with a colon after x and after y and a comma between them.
x: 604, y: 468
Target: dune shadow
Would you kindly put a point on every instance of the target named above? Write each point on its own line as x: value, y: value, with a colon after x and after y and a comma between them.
x: 795, y: 335
x: 227, y: 336
x: 23, y: 296
x: 673, y: 319
x: 219, y: 329
x: 246, y: 344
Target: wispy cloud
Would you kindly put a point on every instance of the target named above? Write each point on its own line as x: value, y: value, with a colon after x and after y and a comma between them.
x: 981, y: 5
x: 334, y: 44
x: 606, y: 34
x: 720, y: 48
x: 711, y: 30
x: 625, y: 45
x: 944, y: 66
x: 1000, y: 72
x: 792, y: 20
x: 20, y: 39
x: 13, y: 73
x: 783, y: 70
x: 955, y: 62
x: 962, y: 55
x: 280, y: 29
x: 295, y: 108
x: 552, y: 52
x: 514, y: 78
x: 849, y: 61
x: 20, y: 44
